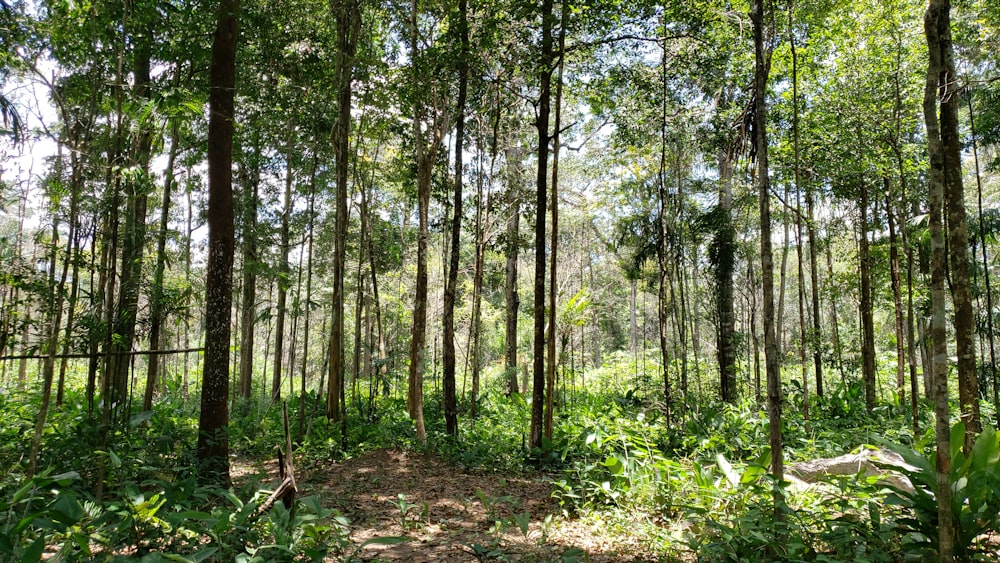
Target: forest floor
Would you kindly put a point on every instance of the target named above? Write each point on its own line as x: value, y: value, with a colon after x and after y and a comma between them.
x: 454, y: 514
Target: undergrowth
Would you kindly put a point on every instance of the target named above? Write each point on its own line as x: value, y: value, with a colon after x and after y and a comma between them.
x: 696, y: 484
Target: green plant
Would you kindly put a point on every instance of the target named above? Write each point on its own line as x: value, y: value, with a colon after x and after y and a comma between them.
x: 975, y: 488
x: 411, y: 515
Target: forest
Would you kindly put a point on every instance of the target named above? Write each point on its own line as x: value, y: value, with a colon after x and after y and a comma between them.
x: 495, y: 280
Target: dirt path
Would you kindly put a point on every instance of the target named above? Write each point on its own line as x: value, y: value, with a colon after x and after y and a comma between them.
x: 452, y: 514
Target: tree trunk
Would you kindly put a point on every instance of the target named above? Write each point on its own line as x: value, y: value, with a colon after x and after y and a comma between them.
x: 347, y: 15
x: 553, y: 359
x: 816, y: 338
x: 897, y: 296
x: 213, y: 441
x: 248, y: 308
x: 511, y: 299
x: 284, y: 274
x: 958, y: 231
x: 307, y: 302
x: 448, y: 344
x: 477, y: 302
x: 156, y: 299
x: 541, y: 202
x: 664, y: 237
x: 936, y: 11
x: 867, y: 322
x: 134, y: 240
x: 772, y: 364
x: 986, y: 264
x: 725, y: 260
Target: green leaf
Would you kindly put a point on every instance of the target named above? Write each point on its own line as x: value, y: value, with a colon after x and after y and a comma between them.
x: 957, y: 439
x: 614, y: 464
x: 34, y: 552
x: 139, y: 418
x: 727, y: 469
x: 66, y: 478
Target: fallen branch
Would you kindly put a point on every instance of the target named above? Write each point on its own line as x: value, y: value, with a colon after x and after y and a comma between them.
x: 286, y: 472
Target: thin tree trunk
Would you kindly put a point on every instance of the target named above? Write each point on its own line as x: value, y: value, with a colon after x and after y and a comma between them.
x: 283, y: 274
x: 761, y: 69
x: 135, y: 235
x: 477, y: 296
x: 248, y: 308
x: 897, y: 296
x: 448, y: 318
x: 156, y: 299
x: 986, y: 264
x: 308, y: 300
x: 553, y: 359
x: 867, y: 322
x: 541, y: 202
x: 803, y: 333
x: 511, y: 299
x: 664, y: 232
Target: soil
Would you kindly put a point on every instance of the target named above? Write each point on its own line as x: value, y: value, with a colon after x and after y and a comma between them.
x: 453, y: 514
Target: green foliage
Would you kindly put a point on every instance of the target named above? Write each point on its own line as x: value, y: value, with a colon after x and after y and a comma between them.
x: 975, y: 487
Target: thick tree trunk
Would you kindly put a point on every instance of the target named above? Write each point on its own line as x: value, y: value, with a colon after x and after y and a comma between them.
x: 213, y: 441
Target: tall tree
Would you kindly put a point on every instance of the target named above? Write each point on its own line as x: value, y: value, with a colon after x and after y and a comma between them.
x: 545, y: 69
x: 428, y: 133
x: 448, y: 344
x: 511, y: 300
x: 936, y: 11
x: 771, y: 360
x: 347, y: 14
x: 213, y: 421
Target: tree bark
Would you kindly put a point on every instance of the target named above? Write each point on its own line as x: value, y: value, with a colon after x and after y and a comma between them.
x: 958, y: 231
x: 553, y: 359
x: 867, y: 322
x: 541, y: 202
x: 156, y: 299
x: 448, y: 344
x: 897, y: 295
x: 346, y: 14
x: 725, y: 260
x: 248, y: 306
x: 213, y: 441
x: 936, y: 10
x: 772, y: 363
x: 511, y: 299
x: 284, y: 274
